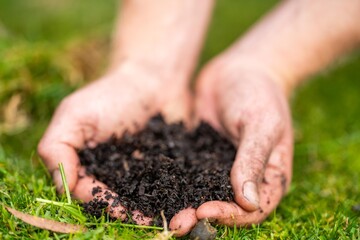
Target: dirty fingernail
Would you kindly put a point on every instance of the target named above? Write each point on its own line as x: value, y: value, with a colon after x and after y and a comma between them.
x: 58, y: 181
x: 250, y: 193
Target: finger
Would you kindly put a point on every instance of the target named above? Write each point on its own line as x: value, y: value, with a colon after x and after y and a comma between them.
x: 230, y: 214
x: 183, y: 222
x: 88, y: 188
x: 84, y: 189
x: 248, y: 169
x: 54, y: 153
x: 282, y: 157
x: 140, y: 219
x: 179, y: 109
x: 206, y: 102
x: 59, y: 144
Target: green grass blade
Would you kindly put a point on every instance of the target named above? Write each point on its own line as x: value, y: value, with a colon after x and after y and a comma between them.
x: 66, y: 187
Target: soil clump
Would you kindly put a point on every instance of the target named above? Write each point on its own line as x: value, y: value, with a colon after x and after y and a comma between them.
x: 163, y: 167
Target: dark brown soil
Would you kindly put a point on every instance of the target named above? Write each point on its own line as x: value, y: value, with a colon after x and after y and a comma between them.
x: 163, y: 167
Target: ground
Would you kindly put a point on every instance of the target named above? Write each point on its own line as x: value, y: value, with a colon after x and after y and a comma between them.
x: 47, y: 51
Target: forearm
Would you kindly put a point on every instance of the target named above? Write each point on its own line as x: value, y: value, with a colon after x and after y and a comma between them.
x: 165, y: 35
x: 300, y: 37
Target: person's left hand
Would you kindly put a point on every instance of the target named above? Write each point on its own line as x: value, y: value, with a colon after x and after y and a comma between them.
x: 122, y: 100
x: 251, y: 108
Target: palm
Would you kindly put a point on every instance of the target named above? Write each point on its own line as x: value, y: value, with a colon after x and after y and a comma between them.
x: 121, y: 101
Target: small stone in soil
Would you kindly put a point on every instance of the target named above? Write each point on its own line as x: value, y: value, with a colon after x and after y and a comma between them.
x: 203, y: 231
x: 356, y: 208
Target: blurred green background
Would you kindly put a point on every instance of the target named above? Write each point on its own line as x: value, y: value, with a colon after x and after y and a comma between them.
x: 50, y: 48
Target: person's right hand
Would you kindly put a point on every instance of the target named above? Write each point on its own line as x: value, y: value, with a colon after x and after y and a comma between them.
x: 123, y: 100
x: 249, y: 106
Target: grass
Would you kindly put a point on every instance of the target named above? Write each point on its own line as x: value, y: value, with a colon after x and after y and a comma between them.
x: 41, y: 62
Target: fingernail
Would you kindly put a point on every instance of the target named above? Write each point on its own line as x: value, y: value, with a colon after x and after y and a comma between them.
x: 250, y: 193
x: 58, y: 181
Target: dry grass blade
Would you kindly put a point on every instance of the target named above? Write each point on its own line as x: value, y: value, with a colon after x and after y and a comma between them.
x: 46, y: 223
x: 166, y: 234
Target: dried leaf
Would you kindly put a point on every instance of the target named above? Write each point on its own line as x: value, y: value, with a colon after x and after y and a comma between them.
x: 47, y: 223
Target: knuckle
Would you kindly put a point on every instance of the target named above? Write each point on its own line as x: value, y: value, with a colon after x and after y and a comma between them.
x: 252, y: 162
x: 65, y: 103
x: 251, y: 118
x: 268, y: 128
x: 257, y: 165
x: 277, y: 122
x: 253, y: 168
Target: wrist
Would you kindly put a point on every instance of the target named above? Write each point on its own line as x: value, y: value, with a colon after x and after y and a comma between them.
x: 147, y: 79
x: 162, y: 76
x: 251, y: 64
x: 166, y: 36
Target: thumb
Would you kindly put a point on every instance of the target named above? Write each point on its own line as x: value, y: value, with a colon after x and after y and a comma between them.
x: 63, y: 136
x: 179, y: 108
x: 248, y: 169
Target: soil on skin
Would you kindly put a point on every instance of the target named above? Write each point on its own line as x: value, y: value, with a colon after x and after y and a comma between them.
x: 162, y: 167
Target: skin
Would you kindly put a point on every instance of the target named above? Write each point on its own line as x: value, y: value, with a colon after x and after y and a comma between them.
x: 148, y: 74
x: 243, y: 93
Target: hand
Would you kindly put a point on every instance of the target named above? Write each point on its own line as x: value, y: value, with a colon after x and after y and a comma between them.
x: 122, y: 100
x: 251, y: 108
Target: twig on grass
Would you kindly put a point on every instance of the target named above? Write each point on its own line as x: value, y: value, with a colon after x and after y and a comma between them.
x: 165, y: 234
x: 68, y: 206
x: 71, y: 208
x: 60, y: 204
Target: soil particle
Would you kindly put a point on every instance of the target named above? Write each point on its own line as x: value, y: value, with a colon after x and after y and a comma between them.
x: 162, y: 167
x: 96, y: 207
x: 96, y: 190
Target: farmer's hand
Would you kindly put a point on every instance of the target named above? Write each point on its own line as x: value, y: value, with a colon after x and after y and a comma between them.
x: 250, y: 108
x: 243, y: 94
x: 152, y: 61
x: 122, y: 100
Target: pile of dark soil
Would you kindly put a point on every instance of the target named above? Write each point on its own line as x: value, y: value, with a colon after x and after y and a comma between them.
x: 163, y: 167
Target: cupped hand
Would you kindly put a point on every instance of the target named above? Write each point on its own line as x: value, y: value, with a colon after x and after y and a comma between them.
x: 122, y: 100
x: 250, y: 106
